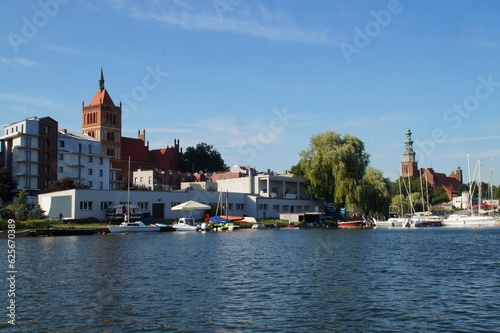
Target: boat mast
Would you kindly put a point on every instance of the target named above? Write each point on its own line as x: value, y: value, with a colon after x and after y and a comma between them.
x: 128, y: 191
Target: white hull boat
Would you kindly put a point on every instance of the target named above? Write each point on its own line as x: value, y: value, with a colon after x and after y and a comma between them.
x: 461, y: 221
x: 393, y: 222
x: 186, y: 224
x: 137, y: 226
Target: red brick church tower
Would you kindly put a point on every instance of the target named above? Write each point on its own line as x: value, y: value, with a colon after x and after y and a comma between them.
x: 409, y: 165
x: 102, y: 120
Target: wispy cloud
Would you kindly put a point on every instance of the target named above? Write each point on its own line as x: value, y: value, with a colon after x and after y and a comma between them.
x: 14, y: 62
x: 62, y: 49
x: 258, y: 22
x: 32, y: 100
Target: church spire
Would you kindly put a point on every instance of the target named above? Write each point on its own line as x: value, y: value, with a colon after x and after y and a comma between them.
x: 101, y: 81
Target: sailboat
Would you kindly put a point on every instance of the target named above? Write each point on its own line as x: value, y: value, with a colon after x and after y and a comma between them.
x: 127, y: 225
x: 225, y: 223
x: 471, y: 219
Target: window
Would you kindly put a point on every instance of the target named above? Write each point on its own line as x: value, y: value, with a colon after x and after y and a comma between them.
x: 86, y: 205
x: 240, y: 206
x: 90, y: 149
x: 284, y: 208
x: 299, y: 208
x: 276, y: 208
x: 262, y: 206
x: 47, y: 142
x: 91, y: 159
x: 79, y: 147
x: 101, y: 161
x: 61, y: 157
x: 46, y: 168
x: 46, y: 156
x: 28, y: 142
x: 47, y: 129
x: 306, y: 208
x: 106, y: 204
x: 143, y: 205
x: 90, y: 172
x: 27, y: 183
x: 91, y: 184
x: 101, y: 185
x: 61, y: 143
x: 61, y: 169
x: 101, y: 173
x: 27, y: 169
x: 27, y: 155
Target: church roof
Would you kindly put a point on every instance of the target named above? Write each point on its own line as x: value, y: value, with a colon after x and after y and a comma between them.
x: 102, y: 97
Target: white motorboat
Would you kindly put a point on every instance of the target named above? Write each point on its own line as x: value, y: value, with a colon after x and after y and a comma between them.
x: 136, y: 226
x: 456, y: 220
x: 186, y: 224
x: 259, y: 226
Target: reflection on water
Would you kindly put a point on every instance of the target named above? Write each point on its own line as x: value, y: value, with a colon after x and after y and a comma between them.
x: 435, y: 279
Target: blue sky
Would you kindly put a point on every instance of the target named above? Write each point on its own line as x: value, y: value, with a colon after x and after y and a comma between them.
x: 257, y: 79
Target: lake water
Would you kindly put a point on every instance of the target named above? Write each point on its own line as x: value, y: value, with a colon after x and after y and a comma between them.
x: 418, y: 280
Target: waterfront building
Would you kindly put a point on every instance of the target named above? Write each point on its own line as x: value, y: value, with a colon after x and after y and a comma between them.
x: 247, y: 195
x: 29, y: 153
x: 80, y: 158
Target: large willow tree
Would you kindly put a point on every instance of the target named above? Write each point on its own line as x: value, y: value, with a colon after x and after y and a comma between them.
x: 335, y: 166
x: 376, y: 193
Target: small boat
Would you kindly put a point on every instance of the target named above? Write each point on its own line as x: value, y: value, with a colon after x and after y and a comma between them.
x: 71, y: 232
x: 186, y: 224
x: 461, y: 221
x: 136, y: 226
x: 259, y: 226
x: 351, y: 224
x: 15, y: 234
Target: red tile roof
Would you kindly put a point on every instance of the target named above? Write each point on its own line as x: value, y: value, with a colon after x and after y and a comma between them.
x: 134, y: 148
x: 102, y: 98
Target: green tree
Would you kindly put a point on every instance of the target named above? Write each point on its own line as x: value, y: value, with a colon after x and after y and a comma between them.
x: 36, y: 213
x: 335, y: 166
x: 63, y: 184
x: 8, y: 186
x: 202, y: 157
x: 462, y: 188
x: 21, y: 205
x: 375, y: 195
x: 440, y: 196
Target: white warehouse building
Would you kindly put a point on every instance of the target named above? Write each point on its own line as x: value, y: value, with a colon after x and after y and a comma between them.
x: 262, y: 196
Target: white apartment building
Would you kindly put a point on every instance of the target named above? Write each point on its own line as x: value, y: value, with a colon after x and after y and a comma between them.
x: 79, y: 157
x: 28, y: 153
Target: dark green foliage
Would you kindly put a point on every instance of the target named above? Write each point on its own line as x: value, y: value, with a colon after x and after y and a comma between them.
x: 65, y: 184
x: 8, y: 186
x: 203, y: 157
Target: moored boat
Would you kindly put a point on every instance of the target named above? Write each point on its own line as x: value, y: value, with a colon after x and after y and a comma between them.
x: 186, y: 224
x: 456, y: 220
x: 351, y: 224
x: 136, y: 226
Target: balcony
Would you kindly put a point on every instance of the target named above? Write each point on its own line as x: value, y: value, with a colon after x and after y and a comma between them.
x: 22, y: 147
